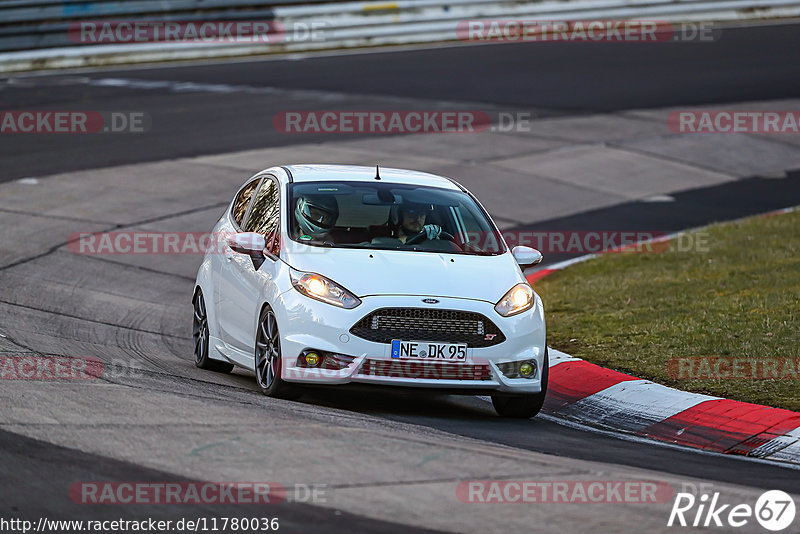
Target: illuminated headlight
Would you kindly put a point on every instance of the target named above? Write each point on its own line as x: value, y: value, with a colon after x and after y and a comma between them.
x: 517, y: 300
x: 320, y: 288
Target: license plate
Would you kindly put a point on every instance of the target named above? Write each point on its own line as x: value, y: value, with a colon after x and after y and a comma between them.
x: 426, y: 350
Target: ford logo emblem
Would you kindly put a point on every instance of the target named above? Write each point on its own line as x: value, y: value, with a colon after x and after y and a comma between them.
x: 430, y: 301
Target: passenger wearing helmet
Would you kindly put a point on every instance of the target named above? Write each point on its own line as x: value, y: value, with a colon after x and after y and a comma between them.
x: 316, y: 215
x: 411, y: 221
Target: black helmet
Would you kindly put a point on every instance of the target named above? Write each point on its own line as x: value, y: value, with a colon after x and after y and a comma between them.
x: 316, y: 213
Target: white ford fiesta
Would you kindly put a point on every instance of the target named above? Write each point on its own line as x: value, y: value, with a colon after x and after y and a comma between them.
x: 332, y: 274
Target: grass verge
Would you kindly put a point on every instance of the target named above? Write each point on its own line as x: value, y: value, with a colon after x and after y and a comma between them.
x: 722, y: 318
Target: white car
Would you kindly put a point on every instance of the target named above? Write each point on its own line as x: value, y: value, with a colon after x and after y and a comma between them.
x: 333, y: 274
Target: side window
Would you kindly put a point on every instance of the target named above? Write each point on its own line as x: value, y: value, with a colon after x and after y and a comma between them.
x: 473, y: 232
x: 243, y: 200
x: 265, y: 214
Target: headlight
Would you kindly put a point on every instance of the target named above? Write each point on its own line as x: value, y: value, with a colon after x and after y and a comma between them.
x: 517, y: 300
x: 318, y: 287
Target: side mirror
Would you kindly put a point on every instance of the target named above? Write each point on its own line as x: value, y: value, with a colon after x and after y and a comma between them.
x: 526, y: 256
x: 250, y: 243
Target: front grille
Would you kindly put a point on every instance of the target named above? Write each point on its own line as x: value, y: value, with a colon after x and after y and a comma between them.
x: 424, y: 324
x: 425, y: 370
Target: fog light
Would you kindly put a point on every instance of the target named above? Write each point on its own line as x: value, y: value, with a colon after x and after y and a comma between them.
x: 312, y: 359
x: 526, y: 370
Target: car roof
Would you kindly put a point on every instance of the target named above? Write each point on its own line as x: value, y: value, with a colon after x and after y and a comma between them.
x: 356, y: 173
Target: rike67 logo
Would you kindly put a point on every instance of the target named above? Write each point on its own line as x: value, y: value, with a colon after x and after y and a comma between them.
x: 774, y: 510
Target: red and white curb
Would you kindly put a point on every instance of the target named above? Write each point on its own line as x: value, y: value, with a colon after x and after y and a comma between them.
x: 594, y: 396
x: 602, y: 398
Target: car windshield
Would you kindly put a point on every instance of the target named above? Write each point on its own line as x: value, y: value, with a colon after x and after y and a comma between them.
x: 391, y: 217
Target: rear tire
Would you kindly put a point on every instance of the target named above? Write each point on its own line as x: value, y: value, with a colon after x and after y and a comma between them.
x: 200, y: 335
x: 524, y: 406
x: 268, y: 359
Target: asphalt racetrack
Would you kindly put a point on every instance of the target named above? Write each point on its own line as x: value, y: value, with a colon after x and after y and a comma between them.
x: 547, y: 79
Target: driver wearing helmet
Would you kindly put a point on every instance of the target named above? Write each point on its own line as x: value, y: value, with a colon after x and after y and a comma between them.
x: 316, y: 215
x: 411, y: 222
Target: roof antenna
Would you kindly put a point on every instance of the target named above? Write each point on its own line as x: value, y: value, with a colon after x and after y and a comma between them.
x: 377, y: 173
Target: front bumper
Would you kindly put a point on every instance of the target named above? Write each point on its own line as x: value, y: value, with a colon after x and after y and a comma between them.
x: 308, y: 324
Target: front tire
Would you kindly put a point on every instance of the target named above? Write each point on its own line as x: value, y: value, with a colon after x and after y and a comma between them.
x: 524, y: 406
x: 268, y: 358
x: 201, y: 336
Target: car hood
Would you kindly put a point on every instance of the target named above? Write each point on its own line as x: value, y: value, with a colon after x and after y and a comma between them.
x: 367, y: 272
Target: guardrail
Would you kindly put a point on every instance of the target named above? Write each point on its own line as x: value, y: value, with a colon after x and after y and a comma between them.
x: 38, y: 32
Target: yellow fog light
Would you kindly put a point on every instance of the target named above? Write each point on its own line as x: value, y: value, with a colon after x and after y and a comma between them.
x: 526, y: 370
x: 312, y: 359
